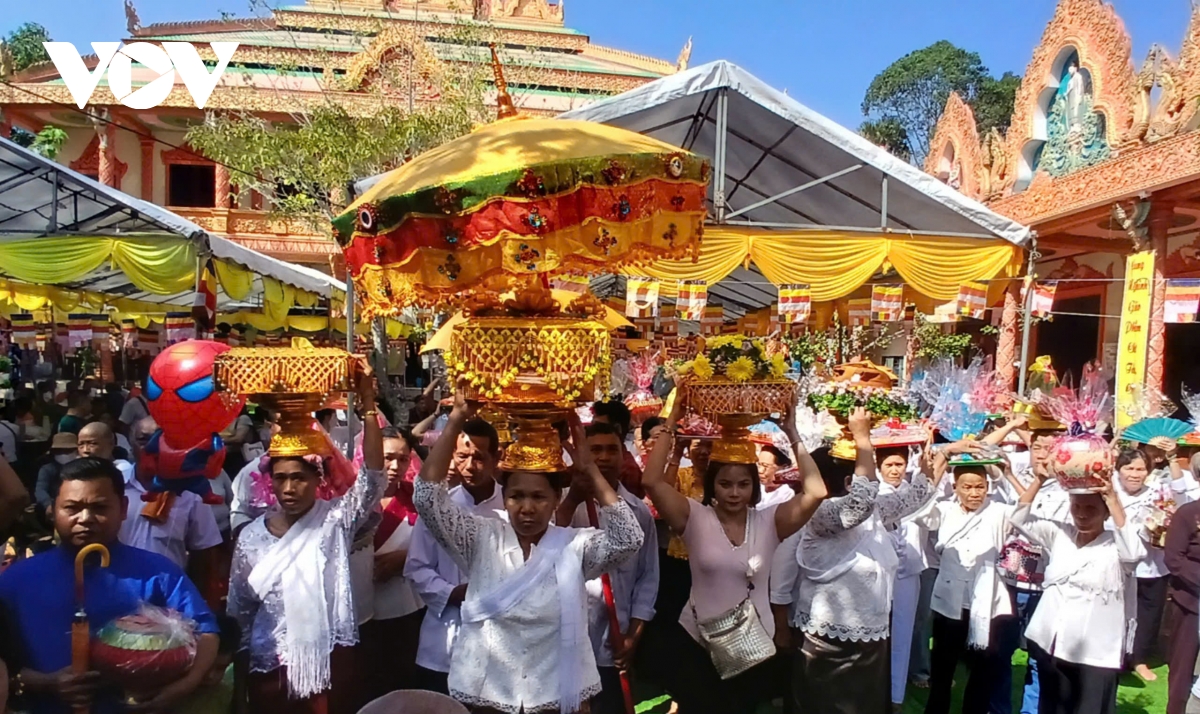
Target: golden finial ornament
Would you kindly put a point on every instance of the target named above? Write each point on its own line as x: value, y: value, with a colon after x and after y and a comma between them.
x: 504, y: 103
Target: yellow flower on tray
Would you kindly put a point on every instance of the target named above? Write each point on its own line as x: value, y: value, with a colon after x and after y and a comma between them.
x: 702, y: 367
x: 778, y: 365
x: 740, y: 370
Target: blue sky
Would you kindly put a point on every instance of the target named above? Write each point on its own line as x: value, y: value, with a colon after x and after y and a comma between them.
x: 824, y: 53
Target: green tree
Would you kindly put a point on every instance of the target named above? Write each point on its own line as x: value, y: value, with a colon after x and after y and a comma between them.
x: 888, y: 133
x: 913, y: 90
x: 995, y: 103
x: 25, y: 44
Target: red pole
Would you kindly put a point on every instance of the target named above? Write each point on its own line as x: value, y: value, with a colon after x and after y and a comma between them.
x: 614, y: 624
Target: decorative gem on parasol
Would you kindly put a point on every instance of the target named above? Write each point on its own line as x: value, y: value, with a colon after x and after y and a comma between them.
x: 517, y: 197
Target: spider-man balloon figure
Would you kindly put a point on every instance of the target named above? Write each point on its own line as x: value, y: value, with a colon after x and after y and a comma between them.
x: 186, y: 451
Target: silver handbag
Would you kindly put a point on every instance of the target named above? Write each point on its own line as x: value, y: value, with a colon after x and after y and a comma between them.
x: 736, y: 640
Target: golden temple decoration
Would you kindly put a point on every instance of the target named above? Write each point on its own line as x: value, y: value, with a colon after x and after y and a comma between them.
x: 295, y: 381
x: 505, y: 109
x: 736, y: 406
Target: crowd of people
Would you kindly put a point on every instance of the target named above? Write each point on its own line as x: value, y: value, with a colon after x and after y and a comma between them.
x: 834, y: 581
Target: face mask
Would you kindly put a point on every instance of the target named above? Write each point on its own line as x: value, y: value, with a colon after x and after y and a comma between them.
x: 64, y: 458
x: 48, y: 396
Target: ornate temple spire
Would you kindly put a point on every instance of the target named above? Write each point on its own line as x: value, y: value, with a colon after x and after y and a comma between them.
x: 504, y: 103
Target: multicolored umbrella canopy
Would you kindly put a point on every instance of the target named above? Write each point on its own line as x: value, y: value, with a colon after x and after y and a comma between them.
x: 516, y: 198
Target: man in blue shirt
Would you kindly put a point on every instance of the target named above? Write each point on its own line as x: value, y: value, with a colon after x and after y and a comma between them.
x: 39, y: 593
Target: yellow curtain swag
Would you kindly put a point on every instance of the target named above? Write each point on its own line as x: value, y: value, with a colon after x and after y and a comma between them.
x: 162, y: 266
x: 835, y: 264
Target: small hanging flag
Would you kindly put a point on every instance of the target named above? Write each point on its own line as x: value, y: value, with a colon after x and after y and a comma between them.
x: 24, y: 331
x: 641, y: 297
x: 714, y: 316
x: 887, y: 303
x: 571, y: 283
x: 693, y: 296
x: 972, y: 300
x: 100, y: 329
x: 1043, y: 297
x: 1183, y: 300
x: 859, y: 312
x: 179, y: 327
x: 795, y: 303
x: 79, y: 330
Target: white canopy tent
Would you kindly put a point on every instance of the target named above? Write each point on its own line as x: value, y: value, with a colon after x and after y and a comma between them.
x: 44, y: 200
x: 780, y: 165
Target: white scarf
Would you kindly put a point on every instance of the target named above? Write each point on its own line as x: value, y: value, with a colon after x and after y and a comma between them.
x: 553, y: 552
x: 983, y: 586
x: 317, y: 606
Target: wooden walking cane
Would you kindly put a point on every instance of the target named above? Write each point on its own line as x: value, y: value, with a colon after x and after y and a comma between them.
x: 81, y: 635
x: 614, y: 623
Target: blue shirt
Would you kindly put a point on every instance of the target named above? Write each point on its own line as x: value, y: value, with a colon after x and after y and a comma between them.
x: 40, y: 595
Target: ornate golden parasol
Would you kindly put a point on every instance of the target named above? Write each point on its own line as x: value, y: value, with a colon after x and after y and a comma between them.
x: 521, y: 197
x: 296, y: 381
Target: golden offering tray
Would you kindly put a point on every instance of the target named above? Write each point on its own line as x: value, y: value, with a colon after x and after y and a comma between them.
x: 294, y: 381
x: 735, y: 407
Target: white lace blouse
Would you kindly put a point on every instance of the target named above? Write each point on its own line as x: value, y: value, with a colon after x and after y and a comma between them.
x: 848, y: 563
x: 263, y: 622
x: 511, y: 663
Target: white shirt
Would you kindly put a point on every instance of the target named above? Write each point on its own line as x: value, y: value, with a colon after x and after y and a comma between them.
x: 783, y: 494
x: 395, y: 596
x: 190, y: 526
x: 484, y: 669
x: 848, y: 563
x: 435, y: 574
x: 133, y: 411
x: 634, y: 582
x: 242, y: 507
x: 1088, y: 603
x: 223, y: 487
x: 968, y: 544
x: 8, y: 440
x: 1138, y: 508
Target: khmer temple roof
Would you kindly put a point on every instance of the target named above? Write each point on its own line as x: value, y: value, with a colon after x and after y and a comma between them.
x: 322, y: 46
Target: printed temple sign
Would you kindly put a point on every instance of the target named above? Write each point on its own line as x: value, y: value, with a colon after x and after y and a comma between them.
x: 1135, y: 332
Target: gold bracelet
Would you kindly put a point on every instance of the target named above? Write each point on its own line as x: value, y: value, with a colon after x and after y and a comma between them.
x: 370, y: 413
x: 16, y: 685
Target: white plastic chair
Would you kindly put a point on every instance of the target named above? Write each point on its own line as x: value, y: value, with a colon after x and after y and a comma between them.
x: 414, y: 701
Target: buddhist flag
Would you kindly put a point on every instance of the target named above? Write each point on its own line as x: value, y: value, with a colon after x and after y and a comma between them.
x: 24, y: 331
x: 100, y: 329
x: 180, y: 326
x: 795, y: 303
x: 1043, y: 298
x: 860, y: 312
x: 887, y: 303
x: 1183, y: 300
x: 972, y: 300
x: 641, y: 297
x: 693, y: 296
x: 714, y: 316
x: 571, y: 283
x: 79, y: 330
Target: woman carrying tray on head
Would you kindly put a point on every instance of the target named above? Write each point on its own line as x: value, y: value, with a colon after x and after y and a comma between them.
x: 730, y: 546
x: 524, y: 644
x: 290, y: 587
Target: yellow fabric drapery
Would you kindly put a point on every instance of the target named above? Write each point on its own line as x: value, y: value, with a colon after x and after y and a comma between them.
x: 237, y: 281
x: 836, y: 263
x: 278, y: 299
x: 162, y: 266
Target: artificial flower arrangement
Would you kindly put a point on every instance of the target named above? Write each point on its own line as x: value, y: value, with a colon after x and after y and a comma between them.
x: 841, y: 398
x: 736, y: 358
x: 643, y: 403
x: 1162, y: 509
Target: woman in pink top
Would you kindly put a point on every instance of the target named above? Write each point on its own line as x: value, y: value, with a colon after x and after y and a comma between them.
x: 730, y: 545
